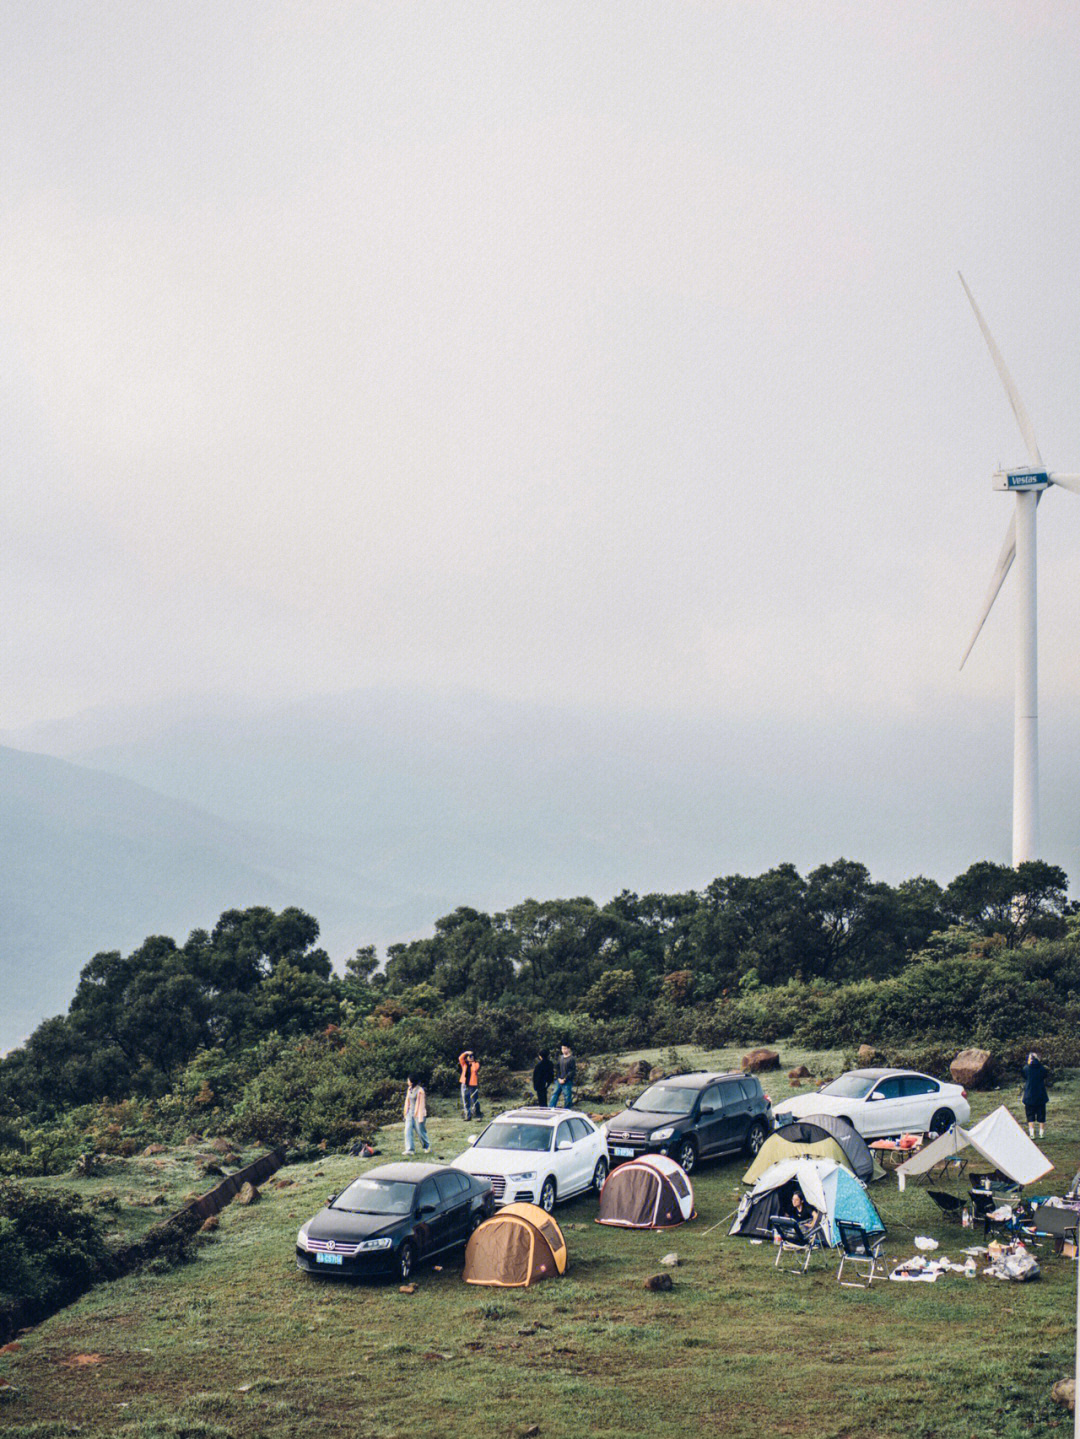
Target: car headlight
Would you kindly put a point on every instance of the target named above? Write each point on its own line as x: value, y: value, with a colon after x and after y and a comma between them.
x: 517, y: 1178
x: 664, y: 1133
x: 301, y: 1236
x: 367, y: 1245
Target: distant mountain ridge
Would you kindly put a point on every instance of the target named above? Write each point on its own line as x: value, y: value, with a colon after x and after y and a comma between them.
x: 90, y: 862
x: 380, y: 811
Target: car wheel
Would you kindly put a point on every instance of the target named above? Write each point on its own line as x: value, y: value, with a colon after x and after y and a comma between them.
x: 599, y: 1174
x: 686, y: 1154
x: 475, y: 1220
x: 755, y: 1137
x: 547, y: 1195
x: 405, y: 1261
x: 943, y: 1119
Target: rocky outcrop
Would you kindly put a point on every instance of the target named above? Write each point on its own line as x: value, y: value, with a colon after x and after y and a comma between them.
x: 760, y: 1059
x: 972, y: 1068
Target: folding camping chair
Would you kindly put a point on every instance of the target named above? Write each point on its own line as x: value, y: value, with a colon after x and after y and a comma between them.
x: 863, y: 1248
x: 949, y: 1205
x: 794, y: 1239
x: 1058, y: 1224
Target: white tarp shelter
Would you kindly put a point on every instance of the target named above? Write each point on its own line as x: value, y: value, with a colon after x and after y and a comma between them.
x: 1000, y: 1141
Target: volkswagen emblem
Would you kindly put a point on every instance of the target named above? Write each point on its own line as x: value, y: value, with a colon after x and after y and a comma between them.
x: 330, y: 1244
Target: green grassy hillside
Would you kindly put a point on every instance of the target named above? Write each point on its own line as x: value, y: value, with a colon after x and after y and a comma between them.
x: 239, y: 1344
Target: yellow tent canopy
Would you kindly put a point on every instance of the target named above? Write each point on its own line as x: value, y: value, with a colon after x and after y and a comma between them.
x: 775, y: 1148
x: 517, y: 1247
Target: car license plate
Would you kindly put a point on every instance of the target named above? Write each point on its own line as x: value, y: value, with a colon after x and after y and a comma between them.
x: 328, y: 1259
x: 623, y: 1153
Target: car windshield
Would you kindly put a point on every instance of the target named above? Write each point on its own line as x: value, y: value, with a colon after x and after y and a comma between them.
x: 666, y: 1099
x: 502, y: 1134
x: 376, y: 1196
x: 850, y: 1086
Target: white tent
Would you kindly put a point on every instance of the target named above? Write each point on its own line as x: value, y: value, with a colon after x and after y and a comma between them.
x: 1000, y: 1141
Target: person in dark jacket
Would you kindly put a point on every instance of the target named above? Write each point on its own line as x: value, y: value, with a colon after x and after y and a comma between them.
x: 543, y: 1074
x: 1034, y: 1095
x: 565, y: 1070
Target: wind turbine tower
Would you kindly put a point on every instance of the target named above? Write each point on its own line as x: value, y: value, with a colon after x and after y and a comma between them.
x: 1027, y: 484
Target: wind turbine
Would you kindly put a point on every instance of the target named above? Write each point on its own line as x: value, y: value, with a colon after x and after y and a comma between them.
x: 1027, y: 484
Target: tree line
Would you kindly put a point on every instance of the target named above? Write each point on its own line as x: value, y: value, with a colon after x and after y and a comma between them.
x: 760, y: 950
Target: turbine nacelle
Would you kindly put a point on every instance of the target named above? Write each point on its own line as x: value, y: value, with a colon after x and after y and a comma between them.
x: 1024, y: 479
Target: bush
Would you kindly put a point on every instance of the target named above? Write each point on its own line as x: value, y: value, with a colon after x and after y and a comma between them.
x: 51, y: 1249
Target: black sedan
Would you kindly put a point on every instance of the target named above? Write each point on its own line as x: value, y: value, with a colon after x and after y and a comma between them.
x: 391, y: 1218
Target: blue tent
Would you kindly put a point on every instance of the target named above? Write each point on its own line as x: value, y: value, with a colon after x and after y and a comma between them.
x: 825, y: 1185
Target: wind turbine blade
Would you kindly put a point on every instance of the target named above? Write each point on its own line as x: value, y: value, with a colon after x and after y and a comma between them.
x: 1004, y: 564
x: 1026, y: 428
x: 1067, y: 482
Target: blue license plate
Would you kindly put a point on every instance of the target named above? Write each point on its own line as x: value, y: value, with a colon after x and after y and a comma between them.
x: 623, y: 1153
x: 328, y: 1259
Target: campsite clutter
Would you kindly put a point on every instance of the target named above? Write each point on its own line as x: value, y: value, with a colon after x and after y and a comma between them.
x: 808, y: 1194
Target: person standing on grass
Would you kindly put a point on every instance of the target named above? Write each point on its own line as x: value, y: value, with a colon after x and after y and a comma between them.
x: 1035, y: 1096
x: 543, y: 1074
x: 415, y: 1116
x: 565, y: 1070
x: 470, y: 1085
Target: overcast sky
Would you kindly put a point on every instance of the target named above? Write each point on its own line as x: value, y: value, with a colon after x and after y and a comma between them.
x: 605, y: 353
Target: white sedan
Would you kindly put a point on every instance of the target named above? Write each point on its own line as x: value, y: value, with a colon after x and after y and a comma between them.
x: 880, y: 1102
x: 538, y: 1156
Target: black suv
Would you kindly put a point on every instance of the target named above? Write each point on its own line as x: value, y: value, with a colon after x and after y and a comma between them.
x: 692, y: 1117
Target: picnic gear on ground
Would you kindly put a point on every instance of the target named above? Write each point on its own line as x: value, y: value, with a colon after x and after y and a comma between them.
x: 862, y: 1249
x: 517, y: 1247
x: 818, y: 1136
x: 1000, y: 1141
x: 1013, y: 1262
x: 650, y: 1192
x: 920, y: 1270
x: 825, y: 1185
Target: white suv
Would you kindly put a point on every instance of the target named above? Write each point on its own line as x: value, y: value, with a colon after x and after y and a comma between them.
x: 879, y: 1102
x: 537, y: 1156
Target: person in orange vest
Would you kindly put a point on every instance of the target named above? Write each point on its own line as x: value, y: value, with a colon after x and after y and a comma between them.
x: 470, y: 1085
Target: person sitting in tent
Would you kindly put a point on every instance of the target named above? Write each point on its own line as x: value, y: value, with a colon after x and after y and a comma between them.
x: 807, y: 1218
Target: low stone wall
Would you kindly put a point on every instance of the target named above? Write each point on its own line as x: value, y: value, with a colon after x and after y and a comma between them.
x: 169, y: 1240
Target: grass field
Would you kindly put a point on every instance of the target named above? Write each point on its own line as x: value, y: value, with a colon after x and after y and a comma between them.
x: 239, y: 1344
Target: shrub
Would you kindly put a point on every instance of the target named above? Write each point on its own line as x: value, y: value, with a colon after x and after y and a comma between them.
x: 51, y: 1249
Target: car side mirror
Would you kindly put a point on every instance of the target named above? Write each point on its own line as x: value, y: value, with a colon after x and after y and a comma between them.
x: 472, y: 1138
x: 565, y: 1144
x: 707, y: 1109
x: 426, y: 1209
x: 875, y: 1095
x: 330, y: 1198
